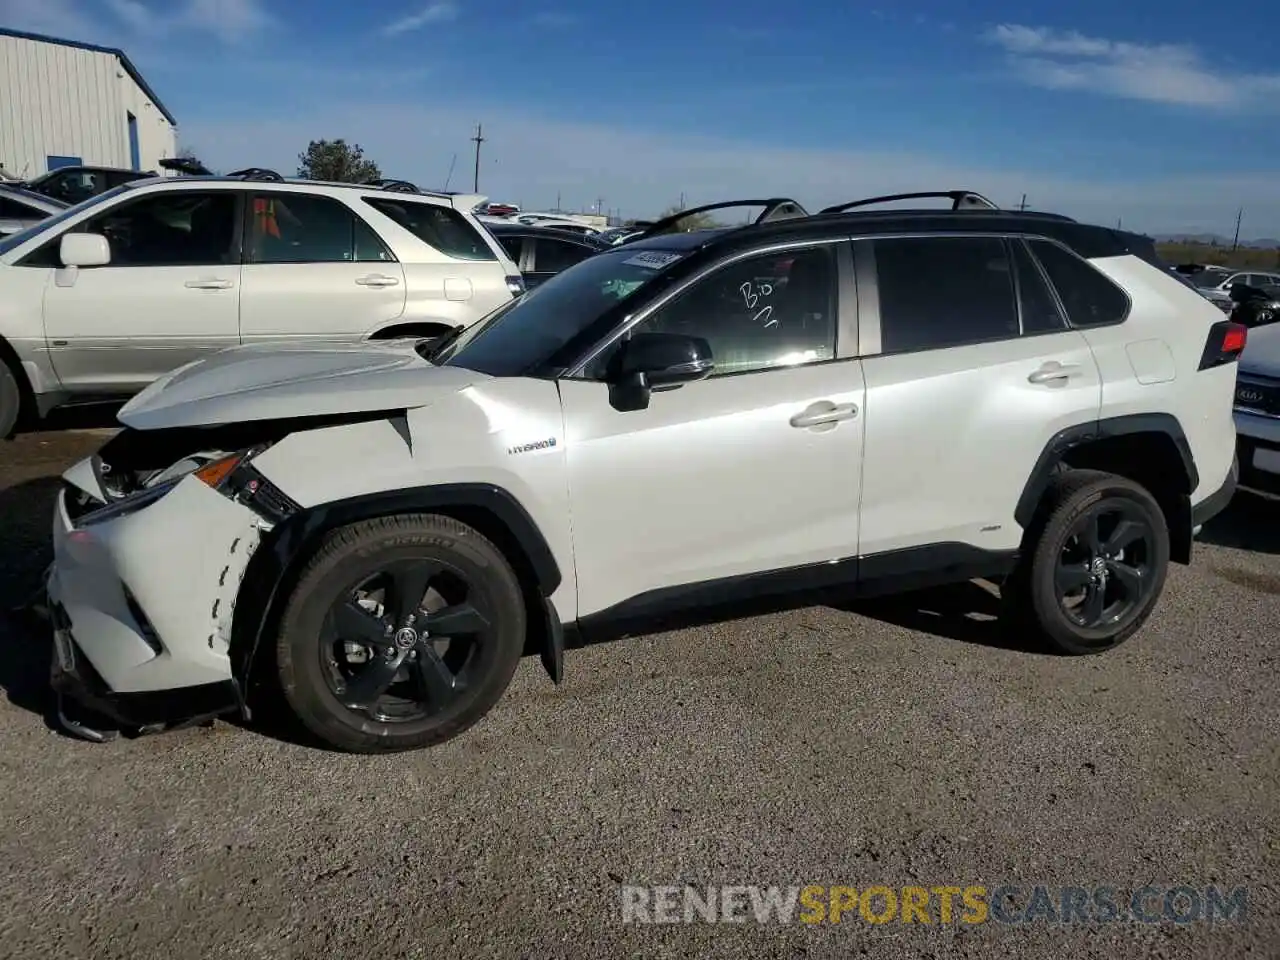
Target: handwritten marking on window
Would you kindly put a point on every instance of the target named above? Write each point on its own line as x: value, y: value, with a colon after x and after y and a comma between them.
x: 753, y: 294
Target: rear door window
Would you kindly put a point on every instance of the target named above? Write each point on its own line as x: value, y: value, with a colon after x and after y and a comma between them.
x: 938, y: 292
x: 307, y: 228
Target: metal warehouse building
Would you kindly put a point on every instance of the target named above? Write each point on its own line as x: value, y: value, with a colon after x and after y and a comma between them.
x: 64, y: 103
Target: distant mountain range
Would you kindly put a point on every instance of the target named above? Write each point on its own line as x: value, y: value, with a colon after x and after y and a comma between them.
x: 1214, y: 239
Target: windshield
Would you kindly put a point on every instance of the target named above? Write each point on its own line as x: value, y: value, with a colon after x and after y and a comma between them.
x: 528, y: 331
x: 16, y: 240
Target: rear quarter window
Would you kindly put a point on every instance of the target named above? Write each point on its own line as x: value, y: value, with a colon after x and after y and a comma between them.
x: 1089, y: 298
x: 441, y: 228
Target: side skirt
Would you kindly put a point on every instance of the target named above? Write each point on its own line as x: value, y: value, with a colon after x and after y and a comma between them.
x: 729, y: 598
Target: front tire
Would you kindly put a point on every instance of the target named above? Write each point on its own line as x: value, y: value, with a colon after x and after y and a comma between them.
x: 402, y: 632
x: 1094, y: 565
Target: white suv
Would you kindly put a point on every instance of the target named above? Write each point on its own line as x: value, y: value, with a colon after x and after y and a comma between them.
x: 869, y: 401
x: 98, y: 301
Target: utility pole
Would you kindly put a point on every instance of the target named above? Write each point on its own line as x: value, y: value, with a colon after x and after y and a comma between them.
x: 557, y: 201
x: 599, y: 205
x: 1022, y: 204
x: 1236, y: 242
x: 477, y: 140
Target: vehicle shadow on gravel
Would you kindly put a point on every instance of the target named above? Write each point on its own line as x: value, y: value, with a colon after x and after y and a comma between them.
x: 89, y: 416
x: 1250, y: 522
x: 25, y: 646
x: 970, y: 612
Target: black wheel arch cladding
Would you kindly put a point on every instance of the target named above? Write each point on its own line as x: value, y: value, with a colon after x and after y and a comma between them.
x: 1162, y: 429
x: 285, y: 550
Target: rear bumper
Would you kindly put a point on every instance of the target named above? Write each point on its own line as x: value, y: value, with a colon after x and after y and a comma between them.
x: 1216, y: 502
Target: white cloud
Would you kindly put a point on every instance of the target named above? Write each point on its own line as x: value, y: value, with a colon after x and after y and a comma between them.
x: 134, y: 15
x: 1161, y: 73
x: 530, y: 160
x: 231, y: 20
x: 434, y: 13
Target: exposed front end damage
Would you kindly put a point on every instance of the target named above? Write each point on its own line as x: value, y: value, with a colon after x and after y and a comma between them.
x: 149, y: 559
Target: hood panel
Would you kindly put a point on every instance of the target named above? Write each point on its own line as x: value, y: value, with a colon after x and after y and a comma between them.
x: 275, y: 381
x: 1261, y: 356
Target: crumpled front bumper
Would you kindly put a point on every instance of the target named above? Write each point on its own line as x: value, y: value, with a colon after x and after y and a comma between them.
x: 141, y: 606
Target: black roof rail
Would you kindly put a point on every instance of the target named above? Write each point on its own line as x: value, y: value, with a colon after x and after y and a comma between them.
x: 775, y: 208
x: 958, y: 199
x: 186, y: 165
x: 256, y: 173
x: 395, y: 186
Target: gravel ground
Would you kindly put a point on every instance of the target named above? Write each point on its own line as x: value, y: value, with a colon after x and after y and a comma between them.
x: 896, y: 744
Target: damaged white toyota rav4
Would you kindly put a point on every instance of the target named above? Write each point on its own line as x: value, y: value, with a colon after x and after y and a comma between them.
x: 869, y: 401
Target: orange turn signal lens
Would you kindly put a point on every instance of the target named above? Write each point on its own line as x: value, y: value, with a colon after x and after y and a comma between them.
x: 215, y: 472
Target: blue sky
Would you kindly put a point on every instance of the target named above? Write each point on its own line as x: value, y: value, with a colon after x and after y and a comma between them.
x: 1164, y: 116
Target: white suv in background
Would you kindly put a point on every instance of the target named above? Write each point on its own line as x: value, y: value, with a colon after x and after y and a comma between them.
x: 103, y: 298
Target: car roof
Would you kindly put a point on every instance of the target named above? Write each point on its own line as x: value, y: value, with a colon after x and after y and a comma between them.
x: 1085, y: 239
x: 262, y: 183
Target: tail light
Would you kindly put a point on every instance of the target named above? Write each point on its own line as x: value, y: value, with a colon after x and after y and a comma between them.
x: 1225, y: 344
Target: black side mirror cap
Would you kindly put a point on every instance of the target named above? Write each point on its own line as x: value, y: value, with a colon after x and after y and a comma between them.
x: 656, y: 361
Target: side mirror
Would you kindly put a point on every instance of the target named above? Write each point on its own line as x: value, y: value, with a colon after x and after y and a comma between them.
x: 656, y: 361
x: 84, y: 250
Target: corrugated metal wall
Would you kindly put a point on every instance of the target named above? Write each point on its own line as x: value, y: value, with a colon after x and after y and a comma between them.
x: 62, y: 101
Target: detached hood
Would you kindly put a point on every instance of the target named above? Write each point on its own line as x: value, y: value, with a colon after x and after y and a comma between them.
x: 1261, y: 356
x: 276, y: 381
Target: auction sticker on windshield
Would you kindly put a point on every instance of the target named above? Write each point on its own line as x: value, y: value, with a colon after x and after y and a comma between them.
x: 653, y: 259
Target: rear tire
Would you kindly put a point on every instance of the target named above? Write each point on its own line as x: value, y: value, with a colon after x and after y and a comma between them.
x: 10, y: 400
x: 358, y: 652
x: 1094, y: 563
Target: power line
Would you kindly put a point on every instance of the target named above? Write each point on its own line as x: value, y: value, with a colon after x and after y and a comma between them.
x: 478, y: 139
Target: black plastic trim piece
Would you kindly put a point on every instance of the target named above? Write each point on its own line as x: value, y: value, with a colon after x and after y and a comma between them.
x: 1072, y: 437
x: 1216, y: 502
x: 772, y: 207
x: 722, y: 599
x: 955, y: 196
x: 916, y: 568
x: 553, y: 642
x: 81, y: 682
x: 482, y: 496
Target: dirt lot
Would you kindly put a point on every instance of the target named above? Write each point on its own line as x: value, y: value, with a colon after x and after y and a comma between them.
x: 900, y: 744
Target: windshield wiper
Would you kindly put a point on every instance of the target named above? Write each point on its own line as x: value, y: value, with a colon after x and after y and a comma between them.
x: 437, y: 347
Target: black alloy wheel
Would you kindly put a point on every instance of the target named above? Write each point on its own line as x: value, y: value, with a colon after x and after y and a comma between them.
x: 1104, y: 567
x: 1093, y: 563
x: 398, y: 646
x: 401, y: 633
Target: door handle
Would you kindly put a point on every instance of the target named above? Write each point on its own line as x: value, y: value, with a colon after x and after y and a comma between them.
x: 822, y: 412
x: 1053, y: 372
x: 377, y: 280
x: 208, y: 284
